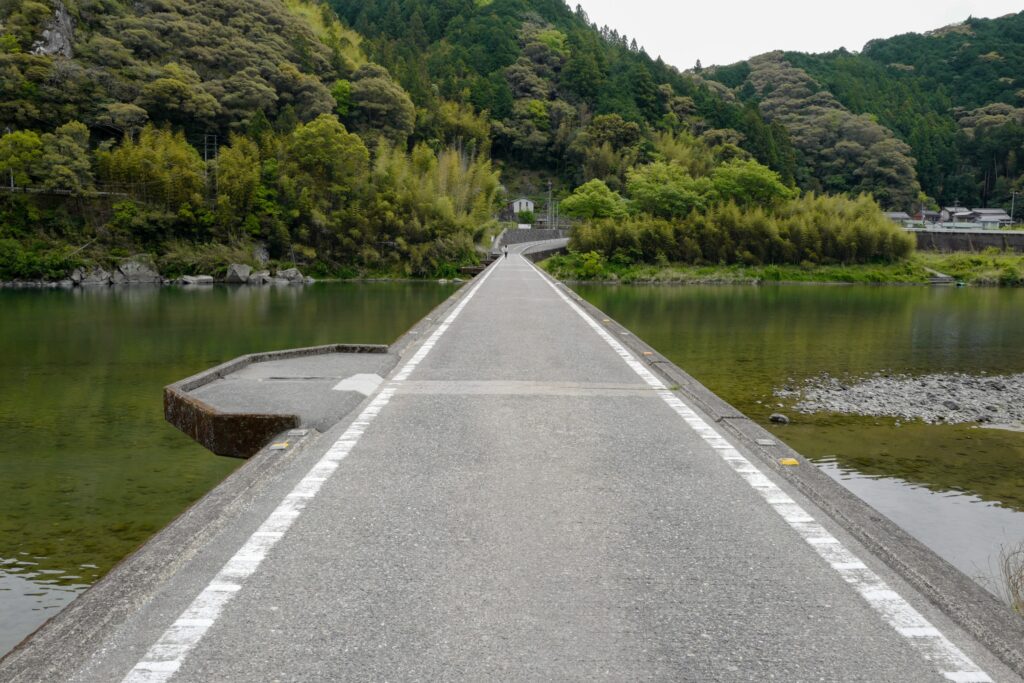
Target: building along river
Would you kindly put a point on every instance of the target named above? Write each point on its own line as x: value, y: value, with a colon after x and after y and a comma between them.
x: 90, y: 469
x: 957, y: 488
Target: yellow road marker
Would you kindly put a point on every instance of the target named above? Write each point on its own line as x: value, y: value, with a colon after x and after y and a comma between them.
x: 789, y: 462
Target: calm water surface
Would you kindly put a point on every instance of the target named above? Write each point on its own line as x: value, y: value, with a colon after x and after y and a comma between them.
x: 957, y: 488
x: 88, y: 468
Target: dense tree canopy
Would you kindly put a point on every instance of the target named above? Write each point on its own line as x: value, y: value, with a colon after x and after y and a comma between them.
x: 947, y: 94
x: 593, y: 199
x: 562, y: 94
x: 345, y: 134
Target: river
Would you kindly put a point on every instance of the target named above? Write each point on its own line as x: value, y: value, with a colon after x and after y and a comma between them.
x: 89, y: 468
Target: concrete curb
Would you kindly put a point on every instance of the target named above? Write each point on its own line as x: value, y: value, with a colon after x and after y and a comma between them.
x: 238, y: 435
x: 972, y: 607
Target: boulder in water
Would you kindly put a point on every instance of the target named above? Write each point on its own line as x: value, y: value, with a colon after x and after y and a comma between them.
x: 238, y: 274
x: 261, y: 277
x: 133, y: 272
x: 95, y: 278
x: 197, y: 280
x: 291, y: 275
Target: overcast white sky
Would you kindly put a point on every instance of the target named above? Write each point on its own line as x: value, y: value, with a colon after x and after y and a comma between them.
x: 727, y: 31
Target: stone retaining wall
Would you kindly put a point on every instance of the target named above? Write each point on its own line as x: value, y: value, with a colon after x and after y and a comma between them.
x: 969, y: 240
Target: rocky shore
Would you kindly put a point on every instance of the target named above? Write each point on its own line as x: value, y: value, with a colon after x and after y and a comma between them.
x: 935, y: 399
x: 136, y: 272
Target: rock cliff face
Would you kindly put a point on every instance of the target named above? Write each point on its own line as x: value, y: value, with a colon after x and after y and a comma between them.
x: 58, y: 37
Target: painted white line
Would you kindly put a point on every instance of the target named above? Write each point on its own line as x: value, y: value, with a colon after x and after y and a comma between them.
x: 929, y: 642
x: 167, y: 655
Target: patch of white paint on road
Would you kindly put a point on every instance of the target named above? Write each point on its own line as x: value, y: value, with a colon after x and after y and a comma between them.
x: 365, y: 384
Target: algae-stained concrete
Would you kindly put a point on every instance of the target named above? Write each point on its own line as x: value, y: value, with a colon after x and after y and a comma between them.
x: 234, y: 409
x: 517, y: 501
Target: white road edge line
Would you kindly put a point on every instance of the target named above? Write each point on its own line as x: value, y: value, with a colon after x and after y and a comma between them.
x: 929, y: 642
x: 166, y: 656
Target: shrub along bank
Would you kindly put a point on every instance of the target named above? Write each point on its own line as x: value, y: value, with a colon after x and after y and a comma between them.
x: 808, y: 230
x: 988, y: 269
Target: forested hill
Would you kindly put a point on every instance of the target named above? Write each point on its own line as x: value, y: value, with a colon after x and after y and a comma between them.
x: 191, y: 130
x: 205, y: 66
x: 952, y: 98
x: 543, y: 74
x: 349, y: 136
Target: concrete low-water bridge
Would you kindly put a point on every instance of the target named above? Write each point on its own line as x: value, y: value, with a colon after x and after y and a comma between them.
x: 518, y: 490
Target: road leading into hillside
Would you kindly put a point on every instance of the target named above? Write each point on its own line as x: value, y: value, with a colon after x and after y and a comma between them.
x: 522, y: 499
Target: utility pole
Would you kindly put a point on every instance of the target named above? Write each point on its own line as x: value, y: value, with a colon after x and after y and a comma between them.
x: 1013, y: 205
x: 210, y: 149
x: 8, y: 132
x: 551, y: 213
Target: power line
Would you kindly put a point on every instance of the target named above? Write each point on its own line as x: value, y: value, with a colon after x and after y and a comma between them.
x: 56, y: 192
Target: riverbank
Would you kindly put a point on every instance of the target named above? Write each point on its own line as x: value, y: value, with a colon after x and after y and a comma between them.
x: 982, y: 269
x: 143, y: 272
x: 53, y: 264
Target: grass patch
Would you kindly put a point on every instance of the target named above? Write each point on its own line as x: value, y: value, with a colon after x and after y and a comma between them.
x: 1011, y: 565
x: 185, y: 258
x: 329, y: 29
x: 593, y: 267
x: 990, y: 268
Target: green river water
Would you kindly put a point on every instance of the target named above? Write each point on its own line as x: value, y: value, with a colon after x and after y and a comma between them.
x: 90, y: 470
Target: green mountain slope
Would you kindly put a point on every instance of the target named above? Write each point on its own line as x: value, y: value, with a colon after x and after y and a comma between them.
x: 953, y: 95
x: 205, y: 66
x: 542, y: 73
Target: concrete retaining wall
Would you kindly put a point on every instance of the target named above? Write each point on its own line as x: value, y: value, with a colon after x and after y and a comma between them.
x: 523, y: 236
x: 546, y: 250
x: 969, y: 240
x: 238, y: 435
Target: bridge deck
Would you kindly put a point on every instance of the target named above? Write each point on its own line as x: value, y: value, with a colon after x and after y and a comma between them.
x: 523, y: 499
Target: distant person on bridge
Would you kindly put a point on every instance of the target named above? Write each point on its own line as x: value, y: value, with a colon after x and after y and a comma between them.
x: 504, y: 250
